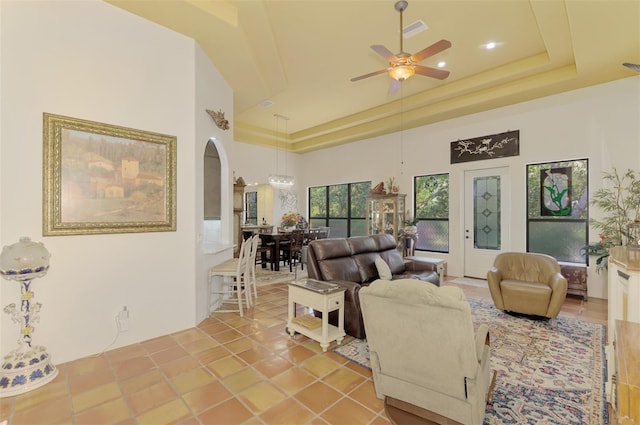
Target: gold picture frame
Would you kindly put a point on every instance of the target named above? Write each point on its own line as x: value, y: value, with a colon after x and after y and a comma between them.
x: 101, y: 178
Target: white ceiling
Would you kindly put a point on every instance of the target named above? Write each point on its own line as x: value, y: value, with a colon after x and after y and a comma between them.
x: 301, y: 54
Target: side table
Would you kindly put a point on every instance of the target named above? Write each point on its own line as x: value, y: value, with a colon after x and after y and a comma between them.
x: 439, y: 263
x: 321, y: 296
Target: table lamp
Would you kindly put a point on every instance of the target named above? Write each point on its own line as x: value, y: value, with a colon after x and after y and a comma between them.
x: 28, y: 366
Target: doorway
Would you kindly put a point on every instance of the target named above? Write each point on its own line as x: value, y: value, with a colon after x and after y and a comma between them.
x: 486, y: 214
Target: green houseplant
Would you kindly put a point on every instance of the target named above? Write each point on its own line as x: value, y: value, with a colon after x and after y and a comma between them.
x: 619, y: 203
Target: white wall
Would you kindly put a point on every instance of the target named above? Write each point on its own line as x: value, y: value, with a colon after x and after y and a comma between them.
x: 94, y: 61
x: 599, y: 123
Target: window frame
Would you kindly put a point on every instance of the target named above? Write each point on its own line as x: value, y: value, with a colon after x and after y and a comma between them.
x: 433, y: 219
x: 557, y: 219
x: 328, y: 217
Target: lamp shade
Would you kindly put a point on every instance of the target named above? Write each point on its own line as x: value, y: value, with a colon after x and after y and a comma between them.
x: 402, y: 72
x: 24, y: 260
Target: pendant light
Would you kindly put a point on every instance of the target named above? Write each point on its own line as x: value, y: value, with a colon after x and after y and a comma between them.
x: 280, y: 181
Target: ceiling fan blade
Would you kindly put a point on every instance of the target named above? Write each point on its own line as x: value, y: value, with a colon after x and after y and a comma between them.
x: 440, y: 74
x: 371, y: 74
x: 436, y: 47
x: 633, y: 66
x: 394, y: 86
x: 383, y: 51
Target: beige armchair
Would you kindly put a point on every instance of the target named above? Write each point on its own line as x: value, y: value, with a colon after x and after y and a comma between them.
x: 527, y: 283
x: 426, y: 359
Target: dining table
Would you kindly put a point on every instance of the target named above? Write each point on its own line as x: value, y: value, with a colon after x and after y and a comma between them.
x: 276, y: 238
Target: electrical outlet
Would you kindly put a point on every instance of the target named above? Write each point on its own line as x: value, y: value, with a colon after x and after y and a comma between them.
x: 123, y: 319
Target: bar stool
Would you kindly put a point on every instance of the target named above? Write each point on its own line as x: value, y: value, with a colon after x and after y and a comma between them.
x: 234, y: 280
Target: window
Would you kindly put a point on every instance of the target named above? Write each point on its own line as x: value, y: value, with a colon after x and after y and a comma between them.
x: 558, y: 209
x: 342, y: 207
x: 251, y: 207
x: 431, y: 210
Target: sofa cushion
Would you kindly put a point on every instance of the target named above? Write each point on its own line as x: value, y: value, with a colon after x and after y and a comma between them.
x: 383, y: 269
x: 344, y: 268
x: 361, y: 244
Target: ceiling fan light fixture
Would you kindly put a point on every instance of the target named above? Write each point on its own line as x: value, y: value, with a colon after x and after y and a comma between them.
x: 402, y: 72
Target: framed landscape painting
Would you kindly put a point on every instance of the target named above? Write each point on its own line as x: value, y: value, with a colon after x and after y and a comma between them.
x: 101, y: 178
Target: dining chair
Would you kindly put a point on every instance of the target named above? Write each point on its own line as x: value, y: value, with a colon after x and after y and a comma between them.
x: 251, y: 284
x: 294, y: 248
x: 232, y: 275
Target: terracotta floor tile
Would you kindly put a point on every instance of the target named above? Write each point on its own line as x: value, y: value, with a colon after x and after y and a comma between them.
x: 215, y: 328
x: 318, y: 396
x: 54, y: 390
x: 87, y: 381
x: 262, y: 396
x: 54, y: 410
x: 142, y: 381
x: 226, y: 366
x: 320, y: 366
x: 287, y: 412
x: 96, y: 396
x: 359, y: 369
x: 254, y: 355
x: 188, y: 335
x: 192, y: 379
x: 366, y: 394
x: 169, y: 355
x: 125, y: 353
x: 212, y: 354
x: 227, y: 336
x: 179, y: 366
x: 293, y: 380
x: 200, y: 345
x: 87, y: 366
x: 206, y: 396
x: 241, y: 344
x: 151, y: 397
x: 343, y: 379
x: 380, y: 420
x: 297, y: 355
x: 273, y: 365
x: 110, y: 412
x: 159, y: 344
x: 243, y: 379
x: 168, y: 413
x: 347, y: 411
x: 133, y: 367
x: 229, y: 412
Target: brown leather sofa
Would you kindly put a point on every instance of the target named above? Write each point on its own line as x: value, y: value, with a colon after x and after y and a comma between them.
x: 527, y: 283
x: 350, y: 262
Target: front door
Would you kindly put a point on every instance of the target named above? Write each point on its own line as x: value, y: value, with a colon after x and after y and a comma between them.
x: 486, y: 207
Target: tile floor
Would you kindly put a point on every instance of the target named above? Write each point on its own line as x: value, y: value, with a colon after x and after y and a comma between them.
x: 228, y: 370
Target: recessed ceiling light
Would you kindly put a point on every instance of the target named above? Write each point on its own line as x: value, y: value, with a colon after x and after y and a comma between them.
x: 266, y: 103
x: 490, y: 45
x: 442, y: 64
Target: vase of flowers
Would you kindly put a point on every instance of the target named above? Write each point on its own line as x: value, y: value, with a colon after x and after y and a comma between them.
x: 289, y: 220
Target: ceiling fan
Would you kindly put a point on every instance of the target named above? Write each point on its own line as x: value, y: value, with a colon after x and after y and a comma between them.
x: 403, y: 65
x: 634, y: 66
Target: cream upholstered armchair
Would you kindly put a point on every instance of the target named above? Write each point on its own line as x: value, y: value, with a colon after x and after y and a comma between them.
x: 426, y: 359
x: 527, y: 283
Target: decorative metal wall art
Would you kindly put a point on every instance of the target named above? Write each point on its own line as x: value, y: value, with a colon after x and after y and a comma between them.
x: 486, y: 147
x: 219, y: 119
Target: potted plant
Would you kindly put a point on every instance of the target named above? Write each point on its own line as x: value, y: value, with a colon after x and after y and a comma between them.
x: 619, y: 204
x: 410, y: 224
x: 289, y: 220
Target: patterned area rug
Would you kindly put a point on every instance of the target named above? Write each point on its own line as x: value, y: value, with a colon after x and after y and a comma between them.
x: 471, y: 281
x: 267, y: 277
x: 549, y: 372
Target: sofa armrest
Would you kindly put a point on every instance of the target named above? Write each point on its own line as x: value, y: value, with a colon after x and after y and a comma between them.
x: 494, y: 277
x: 420, y: 266
x: 482, y: 339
